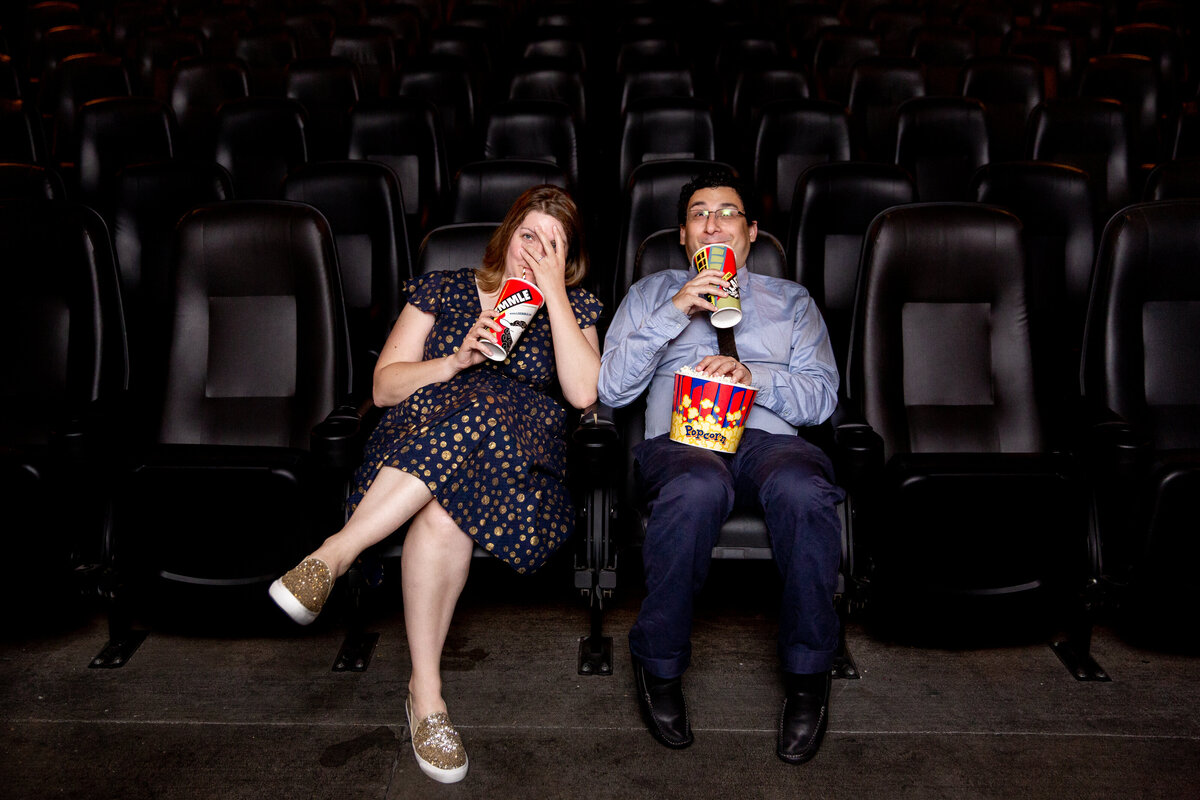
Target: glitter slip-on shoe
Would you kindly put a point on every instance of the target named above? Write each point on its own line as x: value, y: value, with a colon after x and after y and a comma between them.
x: 303, y: 590
x: 437, y: 746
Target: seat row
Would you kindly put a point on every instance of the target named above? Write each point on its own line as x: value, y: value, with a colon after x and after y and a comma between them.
x: 978, y: 421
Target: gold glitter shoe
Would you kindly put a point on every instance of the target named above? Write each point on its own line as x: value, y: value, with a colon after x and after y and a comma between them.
x: 437, y: 746
x: 303, y: 590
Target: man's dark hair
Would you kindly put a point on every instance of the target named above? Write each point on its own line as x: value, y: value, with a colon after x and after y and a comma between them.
x: 714, y: 179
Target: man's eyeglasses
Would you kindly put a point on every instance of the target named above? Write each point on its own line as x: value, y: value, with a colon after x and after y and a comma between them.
x: 721, y: 214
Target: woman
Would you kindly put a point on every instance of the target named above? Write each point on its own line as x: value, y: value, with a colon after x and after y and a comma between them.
x: 471, y: 450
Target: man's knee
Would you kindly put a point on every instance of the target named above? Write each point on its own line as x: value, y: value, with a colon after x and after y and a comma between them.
x: 704, y: 486
x: 800, y: 487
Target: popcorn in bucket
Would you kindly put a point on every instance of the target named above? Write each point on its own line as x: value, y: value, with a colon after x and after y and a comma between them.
x: 708, y: 411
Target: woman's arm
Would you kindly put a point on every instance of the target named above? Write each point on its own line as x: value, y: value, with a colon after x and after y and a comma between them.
x: 576, y: 350
x: 400, y: 370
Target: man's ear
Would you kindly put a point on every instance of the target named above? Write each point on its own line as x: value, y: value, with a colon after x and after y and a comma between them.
x: 682, y: 236
x: 753, y: 231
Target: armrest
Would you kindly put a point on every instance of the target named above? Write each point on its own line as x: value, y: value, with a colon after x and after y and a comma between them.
x: 858, y: 448
x: 595, y: 436
x: 596, y: 427
x: 337, y: 439
x: 1116, y: 444
x: 68, y: 440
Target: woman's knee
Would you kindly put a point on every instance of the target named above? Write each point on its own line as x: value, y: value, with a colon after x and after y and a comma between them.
x: 435, y: 526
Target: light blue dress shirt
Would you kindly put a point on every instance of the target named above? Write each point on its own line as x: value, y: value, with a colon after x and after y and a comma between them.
x: 781, y: 338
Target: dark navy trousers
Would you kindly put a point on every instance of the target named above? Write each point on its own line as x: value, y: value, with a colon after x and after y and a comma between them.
x: 690, y: 492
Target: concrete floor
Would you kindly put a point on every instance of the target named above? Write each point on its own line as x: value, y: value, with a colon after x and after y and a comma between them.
x: 199, y: 716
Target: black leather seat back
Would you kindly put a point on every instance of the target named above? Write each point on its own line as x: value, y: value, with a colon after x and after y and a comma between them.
x: 20, y: 181
x: 328, y: 88
x: 1010, y: 87
x: 115, y: 132
x: 1089, y: 133
x: 534, y: 129
x: 664, y: 129
x: 1174, y: 180
x: 485, y: 190
x: 792, y: 136
x: 258, y: 342
x: 1054, y: 204
x: 199, y: 85
x: 833, y: 208
x: 941, y: 358
x: 259, y: 140
x: 878, y: 85
x: 941, y: 141
x: 63, y: 345
x: 150, y: 200
x: 362, y: 203
x: 1142, y: 355
x: 455, y: 246
x: 405, y: 133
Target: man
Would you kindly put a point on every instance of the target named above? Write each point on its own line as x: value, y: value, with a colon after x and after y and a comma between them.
x: 662, y: 325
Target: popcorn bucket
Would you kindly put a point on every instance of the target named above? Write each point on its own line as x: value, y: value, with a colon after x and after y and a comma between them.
x: 709, y: 412
x: 519, y: 300
x: 719, y: 256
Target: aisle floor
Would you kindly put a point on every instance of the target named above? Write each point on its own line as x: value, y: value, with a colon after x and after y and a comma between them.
x: 199, y: 716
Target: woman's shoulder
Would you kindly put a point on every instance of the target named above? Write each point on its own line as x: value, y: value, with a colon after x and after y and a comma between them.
x: 587, y: 306
x: 428, y: 290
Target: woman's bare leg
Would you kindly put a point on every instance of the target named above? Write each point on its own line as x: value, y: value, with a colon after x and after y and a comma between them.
x: 434, y: 567
x: 391, y: 500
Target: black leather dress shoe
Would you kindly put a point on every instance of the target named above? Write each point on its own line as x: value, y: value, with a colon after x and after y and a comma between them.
x: 804, y: 717
x: 663, y: 709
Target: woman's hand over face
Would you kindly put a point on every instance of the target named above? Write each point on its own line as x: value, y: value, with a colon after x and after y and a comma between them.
x: 546, y: 259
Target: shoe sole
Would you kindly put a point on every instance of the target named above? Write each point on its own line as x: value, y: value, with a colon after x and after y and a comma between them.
x: 440, y: 775
x: 290, y: 605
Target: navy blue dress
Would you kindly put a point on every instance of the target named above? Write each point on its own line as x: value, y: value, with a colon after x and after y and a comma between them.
x: 488, y: 443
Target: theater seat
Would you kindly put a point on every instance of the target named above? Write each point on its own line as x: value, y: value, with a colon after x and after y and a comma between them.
x: 792, y: 136
x: 30, y: 182
x: 941, y: 141
x: 64, y: 370
x: 1088, y: 133
x: 833, y: 207
x: 259, y: 140
x: 149, y: 200
x: 1060, y: 230
x: 405, y: 133
x: 254, y: 442
x: 363, y: 204
x: 976, y: 525
x: 113, y: 133
x: 198, y: 87
x: 1139, y: 370
x: 1174, y: 180
x: 483, y: 191
x: 534, y: 129
x: 1009, y: 87
x: 662, y: 129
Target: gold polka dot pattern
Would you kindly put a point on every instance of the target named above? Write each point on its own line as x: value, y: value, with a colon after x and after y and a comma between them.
x: 489, y: 442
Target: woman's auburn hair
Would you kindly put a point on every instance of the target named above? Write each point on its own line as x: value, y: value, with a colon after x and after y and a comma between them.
x: 550, y: 200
